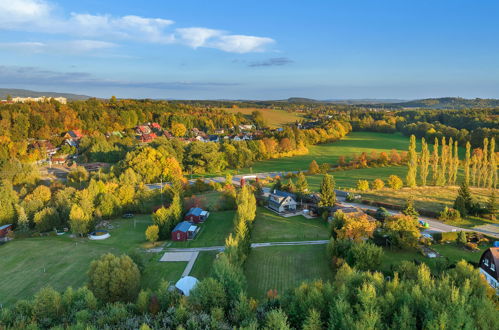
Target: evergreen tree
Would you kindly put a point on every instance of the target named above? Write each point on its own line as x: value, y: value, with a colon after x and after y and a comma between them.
x: 313, y: 321
x: 435, y: 162
x: 313, y: 168
x: 327, y: 193
x: 464, y: 201
x: 467, y: 163
x: 301, y: 183
x: 409, y: 209
x: 450, y: 162
x: 412, y: 163
x: 291, y: 186
x: 424, y: 162
x: 455, y: 163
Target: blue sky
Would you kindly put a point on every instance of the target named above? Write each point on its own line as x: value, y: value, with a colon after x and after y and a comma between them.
x: 252, y: 49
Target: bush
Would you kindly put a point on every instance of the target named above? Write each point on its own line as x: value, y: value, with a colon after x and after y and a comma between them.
x: 395, y: 182
x: 449, y: 214
x: 445, y: 237
x: 365, y: 256
x: 113, y: 278
x: 378, y: 184
x: 350, y: 197
x: 472, y: 246
x: 363, y: 185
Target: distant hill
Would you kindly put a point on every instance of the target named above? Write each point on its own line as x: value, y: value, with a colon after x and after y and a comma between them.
x: 445, y: 103
x: 343, y: 101
x: 27, y: 93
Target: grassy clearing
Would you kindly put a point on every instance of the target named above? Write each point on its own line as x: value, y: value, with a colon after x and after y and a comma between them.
x: 354, y: 143
x: 270, y: 227
x: 203, y: 265
x: 209, y: 200
x: 32, y: 263
x: 431, y: 198
x: 285, y: 267
x: 451, y: 251
x: 274, y: 118
x: 212, y: 232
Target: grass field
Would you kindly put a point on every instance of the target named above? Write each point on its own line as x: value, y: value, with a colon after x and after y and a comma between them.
x: 204, y: 262
x: 32, y: 263
x: 451, y: 251
x: 433, y: 199
x: 273, y: 118
x: 353, y: 143
x: 270, y: 227
x: 285, y: 267
x: 212, y: 232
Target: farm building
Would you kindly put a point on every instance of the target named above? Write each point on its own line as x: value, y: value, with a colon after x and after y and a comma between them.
x: 196, y: 215
x: 184, y: 231
x: 489, y: 266
x: 281, y: 201
x: 186, y: 284
x: 4, y: 230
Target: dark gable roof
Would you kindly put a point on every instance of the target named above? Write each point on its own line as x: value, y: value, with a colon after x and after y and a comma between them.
x: 493, y: 252
x: 283, y: 194
x: 182, y: 226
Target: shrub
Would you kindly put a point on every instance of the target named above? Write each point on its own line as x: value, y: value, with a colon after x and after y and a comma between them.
x: 365, y: 256
x: 445, y: 237
x: 350, y: 197
x: 461, y: 238
x: 378, y: 184
x: 395, y: 182
x: 152, y: 233
x: 363, y: 185
x: 472, y: 246
x: 449, y: 214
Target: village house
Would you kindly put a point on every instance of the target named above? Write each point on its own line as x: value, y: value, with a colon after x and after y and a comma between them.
x: 489, y: 266
x: 5, y: 229
x: 142, y: 130
x: 184, y: 231
x: 281, y: 201
x: 196, y: 215
x: 45, y: 147
x: 73, y: 137
x: 247, y: 127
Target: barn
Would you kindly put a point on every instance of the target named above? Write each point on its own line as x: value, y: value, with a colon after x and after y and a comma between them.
x: 489, y: 266
x: 4, y: 230
x: 184, y: 231
x: 196, y: 215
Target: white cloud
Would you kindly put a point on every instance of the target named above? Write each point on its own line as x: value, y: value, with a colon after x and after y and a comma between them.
x: 39, y: 16
x: 14, y: 12
x: 242, y: 44
x: 64, y: 47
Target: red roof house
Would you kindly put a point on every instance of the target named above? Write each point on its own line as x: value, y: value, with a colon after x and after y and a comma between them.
x: 5, y: 229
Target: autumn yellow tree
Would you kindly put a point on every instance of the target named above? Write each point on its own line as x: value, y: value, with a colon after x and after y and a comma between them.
x: 178, y: 129
x: 356, y: 227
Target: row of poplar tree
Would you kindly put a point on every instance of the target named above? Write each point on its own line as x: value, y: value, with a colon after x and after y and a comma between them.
x: 480, y: 165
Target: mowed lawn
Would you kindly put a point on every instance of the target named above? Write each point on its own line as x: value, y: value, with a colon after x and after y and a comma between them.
x: 32, y: 263
x: 270, y: 227
x: 203, y: 266
x: 273, y: 118
x: 212, y: 232
x: 354, y: 143
x: 285, y: 267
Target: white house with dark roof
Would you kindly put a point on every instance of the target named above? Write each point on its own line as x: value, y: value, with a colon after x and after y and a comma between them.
x: 281, y: 201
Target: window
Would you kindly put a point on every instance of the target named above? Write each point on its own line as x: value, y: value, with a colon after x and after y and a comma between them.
x: 486, y: 262
x: 493, y: 267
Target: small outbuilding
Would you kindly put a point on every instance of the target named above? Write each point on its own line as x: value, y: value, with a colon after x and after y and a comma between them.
x: 196, y: 215
x: 186, y: 284
x: 489, y: 266
x: 5, y: 229
x: 184, y: 231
